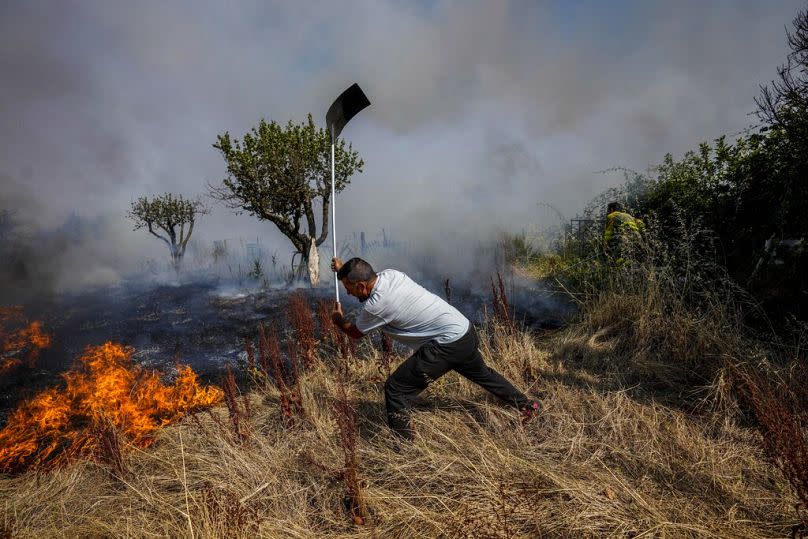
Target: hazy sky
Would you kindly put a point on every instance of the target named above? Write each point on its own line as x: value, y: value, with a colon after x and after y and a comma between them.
x: 480, y: 110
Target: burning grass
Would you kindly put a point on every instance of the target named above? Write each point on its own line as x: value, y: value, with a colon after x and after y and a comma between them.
x: 20, y: 341
x: 106, y: 396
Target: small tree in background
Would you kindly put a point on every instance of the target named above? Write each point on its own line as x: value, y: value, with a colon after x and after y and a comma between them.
x: 277, y: 173
x: 170, y: 214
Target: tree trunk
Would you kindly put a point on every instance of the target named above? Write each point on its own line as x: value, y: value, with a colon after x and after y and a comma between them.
x: 176, y: 258
x: 313, y: 264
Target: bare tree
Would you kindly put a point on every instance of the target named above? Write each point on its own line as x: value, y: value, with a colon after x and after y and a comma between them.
x: 784, y: 102
x: 170, y: 218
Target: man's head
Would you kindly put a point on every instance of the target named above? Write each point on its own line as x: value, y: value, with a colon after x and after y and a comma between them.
x: 614, y: 206
x: 358, y: 277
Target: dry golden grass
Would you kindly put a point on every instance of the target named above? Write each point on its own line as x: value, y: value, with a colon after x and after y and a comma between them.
x: 600, y: 462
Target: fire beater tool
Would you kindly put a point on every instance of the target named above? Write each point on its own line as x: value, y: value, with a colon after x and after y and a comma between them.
x: 345, y: 107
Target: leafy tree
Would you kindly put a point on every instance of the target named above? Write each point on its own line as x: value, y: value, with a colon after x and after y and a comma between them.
x: 281, y: 174
x: 170, y: 218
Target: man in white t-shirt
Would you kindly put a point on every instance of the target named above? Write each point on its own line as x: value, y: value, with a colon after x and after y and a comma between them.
x: 443, y: 339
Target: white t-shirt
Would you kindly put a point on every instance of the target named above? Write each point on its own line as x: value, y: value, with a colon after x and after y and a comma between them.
x: 409, y: 313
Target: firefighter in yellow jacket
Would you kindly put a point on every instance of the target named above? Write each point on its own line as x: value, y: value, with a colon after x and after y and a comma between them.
x: 621, y: 235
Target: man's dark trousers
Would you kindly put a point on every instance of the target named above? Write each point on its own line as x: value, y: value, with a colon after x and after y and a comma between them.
x: 432, y: 361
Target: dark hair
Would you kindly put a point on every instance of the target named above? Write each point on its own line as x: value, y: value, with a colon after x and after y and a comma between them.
x: 356, y: 270
x: 614, y: 206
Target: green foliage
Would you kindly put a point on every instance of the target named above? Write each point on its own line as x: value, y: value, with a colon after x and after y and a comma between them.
x: 277, y: 173
x: 579, y: 278
x: 517, y: 248
x: 170, y: 214
x: 546, y: 265
x: 257, y: 270
x: 724, y: 200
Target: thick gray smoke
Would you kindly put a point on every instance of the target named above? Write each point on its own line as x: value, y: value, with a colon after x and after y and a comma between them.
x: 481, y: 110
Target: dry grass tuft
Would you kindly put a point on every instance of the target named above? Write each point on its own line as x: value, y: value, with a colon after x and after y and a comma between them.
x: 644, y: 329
x: 109, y: 447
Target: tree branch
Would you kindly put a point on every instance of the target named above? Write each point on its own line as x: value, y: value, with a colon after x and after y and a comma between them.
x: 156, y: 235
x: 326, y: 215
x: 310, y: 218
x: 185, y: 241
x: 296, y: 220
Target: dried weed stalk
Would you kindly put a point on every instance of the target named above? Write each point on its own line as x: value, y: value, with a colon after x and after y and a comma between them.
x: 239, y: 418
x: 230, y: 516
x: 353, y: 500
x: 288, y: 384
x: 502, y: 310
x: 302, y: 320
x: 348, y: 434
x: 779, y: 410
x: 327, y: 329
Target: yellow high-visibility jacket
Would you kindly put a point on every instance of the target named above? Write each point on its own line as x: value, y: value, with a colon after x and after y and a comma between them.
x: 620, y: 229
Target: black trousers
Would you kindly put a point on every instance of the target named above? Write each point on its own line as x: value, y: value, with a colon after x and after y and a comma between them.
x: 432, y: 361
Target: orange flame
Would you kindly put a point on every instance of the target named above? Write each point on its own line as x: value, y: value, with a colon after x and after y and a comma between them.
x: 59, y: 424
x: 14, y: 342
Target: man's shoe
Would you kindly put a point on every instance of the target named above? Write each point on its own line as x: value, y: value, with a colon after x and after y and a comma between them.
x: 530, y: 412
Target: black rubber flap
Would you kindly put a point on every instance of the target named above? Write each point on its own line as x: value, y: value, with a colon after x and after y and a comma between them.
x: 345, y: 107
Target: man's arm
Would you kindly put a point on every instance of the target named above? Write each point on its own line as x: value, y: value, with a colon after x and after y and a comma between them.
x: 344, y: 324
